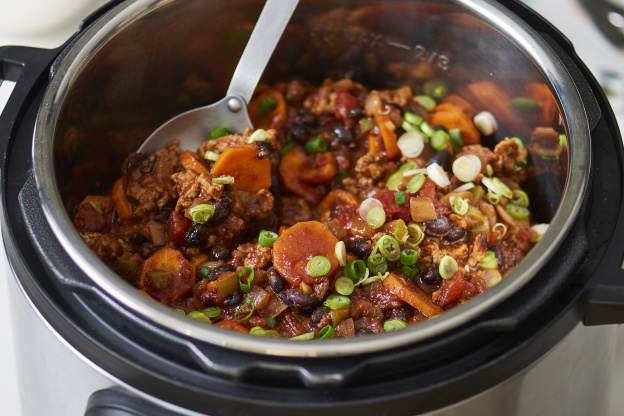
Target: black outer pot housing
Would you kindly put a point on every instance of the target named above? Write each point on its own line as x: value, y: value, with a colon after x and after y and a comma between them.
x: 582, y: 282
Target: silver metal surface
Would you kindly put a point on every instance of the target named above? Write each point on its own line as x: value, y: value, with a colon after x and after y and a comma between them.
x: 192, y: 127
x: 50, y: 152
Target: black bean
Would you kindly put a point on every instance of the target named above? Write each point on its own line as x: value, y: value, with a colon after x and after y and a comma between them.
x: 438, y: 227
x: 361, y: 248
x: 234, y: 299
x: 222, y: 211
x: 432, y: 277
x: 266, y: 149
x: 197, y: 235
x: 356, y: 113
x: 442, y: 158
x: 219, y: 252
x: 363, y: 331
x: 216, y: 272
x: 163, y: 216
x: 298, y: 299
x: 138, y: 239
x: 343, y: 134
x: 147, y: 250
x: 305, y: 118
x: 318, y: 314
x: 456, y: 234
x: 298, y: 132
x: 276, y: 281
x: 135, y: 160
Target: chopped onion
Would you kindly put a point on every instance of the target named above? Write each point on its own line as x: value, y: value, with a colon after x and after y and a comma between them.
x: 411, y: 143
x: 466, y: 168
x: 367, y: 205
x: 341, y: 253
x: 465, y: 187
x: 485, y: 123
x: 438, y: 175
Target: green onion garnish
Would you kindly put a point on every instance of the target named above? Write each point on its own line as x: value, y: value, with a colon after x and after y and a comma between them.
x: 356, y: 269
x: 318, y: 266
x: 427, y: 129
x: 455, y: 135
x: 415, y: 183
x: 459, y: 206
x: 218, y: 132
x: 223, y: 180
x: 519, y: 142
x: 439, y: 140
x: 199, y: 316
x: 409, y: 256
x: 366, y: 124
x: 271, y: 322
x: 517, y: 211
x: 401, y: 234
x: 317, y: 145
x: 212, y: 312
x: 257, y: 136
x: 248, y: 302
x: 412, y: 118
x: 203, y: 272
x: 337, y: 301
x: 448, y: 267
x: 327, y: 332
x: 399, y: 198
x: 261, y: 332
x: 502, y: 188
x: 394, y: 324
x: 563, y: 140
x: 409, y: 271
x: 489, y: 260
x: 96, y: 206
x: 396, y: 178
x: 426, y: 101
x: 202, y: 213
x: 520, y: 198
x: 389, y: 247
x: 376, y: 217
x: 435, y: 88
x: 344, y: 286
x: 416, y: 235
x: 489, y: 170
x: 287, y: 148
x: 213, y: 156
x: 266, y: 105
x: 377, y: 267
x: 341, y: 176
x: 303, y: 337
x: 266, y: 238
x: 341, y: 253
x: 525, y: 104
x: 493, y: 197
x: 249, y: 272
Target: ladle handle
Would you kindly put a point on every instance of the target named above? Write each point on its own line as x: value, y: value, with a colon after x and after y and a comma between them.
x: 264, y: 38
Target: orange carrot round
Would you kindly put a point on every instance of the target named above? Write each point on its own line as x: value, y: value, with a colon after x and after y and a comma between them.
x: 250, y: 173
x: 275, y: 119
x: 190, y: 161
x: 122, y: 205
x: 289, y: 169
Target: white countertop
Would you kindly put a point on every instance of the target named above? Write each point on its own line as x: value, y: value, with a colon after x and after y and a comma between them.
x: 48, y: 23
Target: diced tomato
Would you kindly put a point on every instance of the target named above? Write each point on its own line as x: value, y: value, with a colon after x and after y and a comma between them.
x: 345, y: 103
x: 452, y: 290
x: 429, y: 190
x: 177, y: 227
x: 391, y: 208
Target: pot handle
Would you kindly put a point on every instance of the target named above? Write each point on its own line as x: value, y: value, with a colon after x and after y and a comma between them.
x: 117, y: 402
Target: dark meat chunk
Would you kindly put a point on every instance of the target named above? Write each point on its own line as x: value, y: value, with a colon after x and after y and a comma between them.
x: 294, y: 210
x: 373, y: 168
x: 107, y: 248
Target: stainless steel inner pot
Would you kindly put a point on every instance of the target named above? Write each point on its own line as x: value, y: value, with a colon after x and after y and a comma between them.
x: 124, y: 76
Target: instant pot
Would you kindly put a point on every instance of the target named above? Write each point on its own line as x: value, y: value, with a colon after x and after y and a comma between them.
x: 540, y: 342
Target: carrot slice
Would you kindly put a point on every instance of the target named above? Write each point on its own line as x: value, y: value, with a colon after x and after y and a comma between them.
x: 300, y: 243
x: 272, y: 120
x: 373, y: 148
x: 250, y: 172
x: 289, y: 169
x: 334, y: 198
x: 547, y: 103
x: 122, y: 205
x: 388, y: 135
x: 411, y: 294
x: 452, y: 117
x: 190, y: 161
x: 167, y: 275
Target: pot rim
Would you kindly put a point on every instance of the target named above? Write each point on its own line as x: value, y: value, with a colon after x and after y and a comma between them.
x: 548, y: 64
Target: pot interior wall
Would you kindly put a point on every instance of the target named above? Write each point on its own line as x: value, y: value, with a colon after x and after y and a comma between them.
x: 180, y: 54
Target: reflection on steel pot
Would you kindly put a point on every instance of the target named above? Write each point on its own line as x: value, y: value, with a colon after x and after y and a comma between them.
x: 78, y: 111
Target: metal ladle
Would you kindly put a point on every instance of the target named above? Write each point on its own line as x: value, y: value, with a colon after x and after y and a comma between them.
x: 191, y: 128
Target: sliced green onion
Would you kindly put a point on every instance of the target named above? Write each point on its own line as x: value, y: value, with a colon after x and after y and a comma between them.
x: 416, y: 235
x: 202, y: 213
x: 459, y: 206
x: 415, y: 183
x: 500, y: 229
x: 327, y: 332
x: 266, y: 105
x: 303, y: 337
x: 448, y: 267
x: 341, y: 253
x: 409, y: 256
x: 466, y: 168
x: 485, y: 123
x: 335, y: 301
x: 271, y: 322
x: 492, y: 277
x: 399, y: 198
x: 356, y: 269
x: 410, y: 127
x: 519, y: 142
x: 427, y: 129
x: 199, y: 316
x: 209, y: 155
x: 317, y: 145
x: 261, y: 332
x: 520, y: 198
x: 401, y: 234
x: 389, y: 247
x: 502, y: 188
x: 493, y: 197
x: 396, y: 178
x: 344, y: 286
x: 489, y: 170
x: 287, y: 148
x: 203, y: 272
x: 394, y: 324
x: 412, y: 118
x: 540, y: 229
x: 563, y: 140
x: 249, y: 272
x: 341, y: 176
x: 409, y: 271
x: 248, y: 302
x: 455, y: 135
x: 376, y: 278
x: 366, y: 124
x: 411, y: 143
x: 258, y: 136
x: 377, y: 266
x: 525, y: 104
x: 437, y: 174
x: 435, y: 88
x: 223, y: 180
x: 517, y: 211
x: 439, y: 140
x: 318, y: 266
x: 218, y: 132
x: 180, y: 311
x: 266, y: 238
x: 489, y: 260
x: 212, y: 312
x: 96, y: 206
x: 426, y: 101
x: 376, y: 217
x: 549, y: 157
